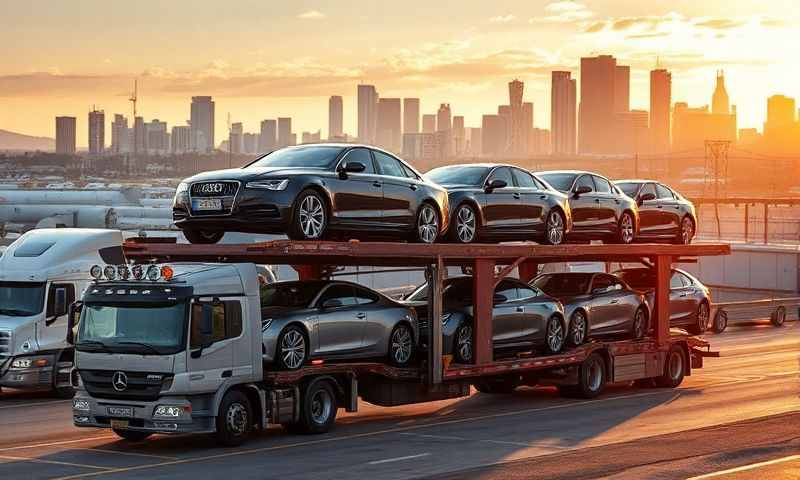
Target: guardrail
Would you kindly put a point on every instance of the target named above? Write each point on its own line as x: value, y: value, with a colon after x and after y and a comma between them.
x: 776, y: 309
x: 763, y: 218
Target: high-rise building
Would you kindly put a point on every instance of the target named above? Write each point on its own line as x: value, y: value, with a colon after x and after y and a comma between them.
x: 367, y: 113
x: 780, y: 111
x: 180, y: 139
x: 493, y: 135
x: 475, y: 146
x: 691, y: 127
x: 156, y: 137
x: 596, y: 111
x: 236, y: 138
x: 444, y: 118
x: 527, y: 128
x: 504, y: 111
x: 389, y: 128
x: 285, y: 132
x: 335, y: 117
x: 97, y: 132
x: 411, y: 115
x: 202, y: 123
x: 250, y: 143
x: 633, y: 132
x: 541, y: 141
x: 459, y: 136
x: 660, y: 106
x: 120, y: 135
x: 781, y: 130
x: 720, y: 104
x: 65, y: 135
x: 139, y: 136
x: 268, y: 139
x: 518, y: 142
x: 622, y: 88
x: 429, y: 123
x: 311, y: 137
x: 562, y: 113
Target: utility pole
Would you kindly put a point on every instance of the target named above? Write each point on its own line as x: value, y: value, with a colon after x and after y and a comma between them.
x: 716, y: 158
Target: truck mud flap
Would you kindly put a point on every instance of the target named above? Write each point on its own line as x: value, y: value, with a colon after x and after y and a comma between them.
x: 698, y: 355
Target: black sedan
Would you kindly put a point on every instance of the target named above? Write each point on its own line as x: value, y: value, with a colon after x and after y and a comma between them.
x: 596, y: 304
x: 312, y: 192
x: 524, y: 318
x: 689, y: 299
x: 600, y: 210
x: 502, y: 202
x: 664, y: 214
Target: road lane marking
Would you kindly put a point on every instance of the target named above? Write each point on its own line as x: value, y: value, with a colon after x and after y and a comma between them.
x: 745, y: 468
x: 397, y: 459
x: 19, y: 405
x: 54, y: 444
x: 51, y: 462
x: 119, y: 452
x: 434, y: 437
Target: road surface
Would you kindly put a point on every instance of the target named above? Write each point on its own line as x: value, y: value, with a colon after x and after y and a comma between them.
x: 738, y: 418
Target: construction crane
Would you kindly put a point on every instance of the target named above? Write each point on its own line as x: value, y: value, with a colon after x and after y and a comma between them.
x: 134, y: 97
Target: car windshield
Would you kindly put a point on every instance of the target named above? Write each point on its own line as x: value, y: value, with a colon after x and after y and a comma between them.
x: 628, y: 188
x: 563, y: 284
x: 150, y: 329
x: 460, y: 175
x: 305, y: 157
x: 457, y: 291
x: 21, y: 299
x: 560, y: 181
x: 638, y: 278
x: 289, y: 295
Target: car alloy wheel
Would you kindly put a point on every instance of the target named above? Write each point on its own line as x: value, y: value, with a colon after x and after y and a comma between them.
x: 578, y: 328
x: 312, y: 217
x: 626, y: 228
x: 555, y: 335
x: 464, y: 343
x: 555, y: 228
x: 402, y: 344
x: 638, y: 324
x: 703, y: 315
x: 465, y: 224
x: 427, y: 224
x: 293, y: 349
x: 687, y: 230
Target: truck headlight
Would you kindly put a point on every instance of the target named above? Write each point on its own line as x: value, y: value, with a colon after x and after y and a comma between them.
x: 79, y: 404
x: 275, y: 185
x: 168, y: 411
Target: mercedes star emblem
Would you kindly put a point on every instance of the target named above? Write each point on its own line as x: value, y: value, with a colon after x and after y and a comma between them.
x: 119, y: 381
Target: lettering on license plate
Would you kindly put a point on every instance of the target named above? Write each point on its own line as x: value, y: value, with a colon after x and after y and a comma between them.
x: 207, y: 204
x: 124, y: 412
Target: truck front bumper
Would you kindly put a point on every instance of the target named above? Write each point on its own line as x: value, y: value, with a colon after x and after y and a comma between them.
x: 141, y: 416
x: 31, y: 376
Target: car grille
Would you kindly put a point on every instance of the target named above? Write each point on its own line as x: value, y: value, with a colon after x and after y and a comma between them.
x: 5, y: 344
x: 144, y: 386
x: 224, y: 190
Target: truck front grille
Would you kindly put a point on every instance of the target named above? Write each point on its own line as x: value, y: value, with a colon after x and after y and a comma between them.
x: 144, y: 386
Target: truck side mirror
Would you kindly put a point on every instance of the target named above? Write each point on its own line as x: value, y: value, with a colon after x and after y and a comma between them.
x: 74, y: 317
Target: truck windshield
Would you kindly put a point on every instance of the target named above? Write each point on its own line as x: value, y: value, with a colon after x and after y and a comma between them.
x: 151, y: 329
x: 21, y: 299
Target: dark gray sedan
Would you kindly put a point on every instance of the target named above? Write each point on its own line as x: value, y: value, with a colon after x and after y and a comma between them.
x: 321, y: 319
x: 524, y: 318
x: 596, y: 304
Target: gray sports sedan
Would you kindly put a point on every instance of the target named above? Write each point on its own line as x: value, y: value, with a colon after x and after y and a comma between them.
x: 524, y: 318
x: 304, y: 320
x: 596, y: 304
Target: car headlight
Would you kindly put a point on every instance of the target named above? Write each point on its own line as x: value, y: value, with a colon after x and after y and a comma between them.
x: 181, y: 194
x: 29, y: 362
x: 446, y: 318
x: 182, y: 187
x: 169, y: 411
x: 79, y: 404
x: 274, y: 185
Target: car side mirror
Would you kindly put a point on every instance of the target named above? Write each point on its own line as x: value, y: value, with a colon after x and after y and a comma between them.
x: 351, y: 167
x: 646, y: 197
x: 74, y: 317
x: 497, y: 298
x: 331, y: 303
x: 583, y: 189
x: 496, y: 183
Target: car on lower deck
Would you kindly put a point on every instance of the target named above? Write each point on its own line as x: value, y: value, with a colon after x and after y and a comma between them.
x: 664, y: 214
x: 689, y: 299
x: 497, y: 202
x: 326, y: 320
x: 313, y: 192
x: 523, y: 318
x: 596, y: 304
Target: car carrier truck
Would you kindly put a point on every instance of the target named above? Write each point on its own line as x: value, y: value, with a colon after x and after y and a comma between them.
x: 177, y: 347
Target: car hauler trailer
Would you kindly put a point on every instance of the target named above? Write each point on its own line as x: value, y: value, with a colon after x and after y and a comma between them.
x: 213, y: 400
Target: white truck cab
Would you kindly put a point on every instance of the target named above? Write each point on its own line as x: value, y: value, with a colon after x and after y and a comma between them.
x: 41, y: 274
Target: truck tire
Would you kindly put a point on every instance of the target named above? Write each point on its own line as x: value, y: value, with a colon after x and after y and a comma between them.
x: 591, y: 379
x: 674, y: 368
x: 778, y: 317
x: 498, y: 385
x: 131, y: 435
x: 318, y: 408
x: 234, y: 419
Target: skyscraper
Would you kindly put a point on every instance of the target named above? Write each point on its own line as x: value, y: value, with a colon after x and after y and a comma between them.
x: 139, y: 136
x: 268, y: 139
x: 504, y: 111
x: 527, y: 127
x: 459, y: 135
x: 389, y: 129
x: 660, y: 105
x: 781, y: 130
x: 156, y: 137
x: 202, y: 123
x: 285, y: 132
x: 180, y: 139
x: 622, y: 88
x: 429, y: 123
x: 444, y: 129
x: 367, y: 113
x: 411, y: 115
x: 335, y: 117
x: 596, y: 110
x: 720, y: 104
x: 120, y: 135
x: 519, y: 138
x: 65, y: 135
x: 97, y: 132
x: 236, y: 138
x: 562, y: 113
x: 493, y: 135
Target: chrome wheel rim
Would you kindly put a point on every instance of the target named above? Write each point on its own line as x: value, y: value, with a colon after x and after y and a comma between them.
x: 236, y: 418
x: 687, y: 231
x: 702, y: 317
x: 555, y: 335
x: 638, y: 324
x: 312, y: 217
x: 321, y: 406
x: 555, y: 228
x: 427, y: 224
x: 595, y: 376
x: 578, y: 328
x: 626, y: 228
x: 401, y: 345
x: 780, y: 316
x: 465, y: 224
x: 675, y: 366
x: 464, y: 343
x: 293, y: 349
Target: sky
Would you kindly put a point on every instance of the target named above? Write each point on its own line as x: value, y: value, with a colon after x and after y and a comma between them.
x: 264, y: 59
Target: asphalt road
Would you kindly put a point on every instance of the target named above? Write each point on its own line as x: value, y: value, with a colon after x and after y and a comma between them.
x: 738, y: 418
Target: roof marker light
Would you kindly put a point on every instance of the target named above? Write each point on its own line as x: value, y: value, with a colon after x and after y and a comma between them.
x: 96, y: 272
x: 167, y: 272
x: 110, y: 272
x: 153, y: 272
x: 137, y: 271
x: 123, y: 273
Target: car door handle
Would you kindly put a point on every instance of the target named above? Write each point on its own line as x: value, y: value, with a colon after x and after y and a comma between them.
x: 543, y: 197
x: 596, y: 200
x: 684, y: 294
x: 616, y: 201
x: 413, y: 187
x: 614, y: 302
x: 361, y: 316
x: 377, y: 184
x: 520, y: 309
x: 660, y: 206
x: 516, y: 195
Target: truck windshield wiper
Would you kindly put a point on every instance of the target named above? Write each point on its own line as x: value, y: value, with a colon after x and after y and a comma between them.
x: 93, y: 344
x: 147, y: 346
x: 15, y: 312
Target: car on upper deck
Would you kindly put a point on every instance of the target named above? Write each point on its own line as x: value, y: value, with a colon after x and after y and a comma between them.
x: 664, y: 214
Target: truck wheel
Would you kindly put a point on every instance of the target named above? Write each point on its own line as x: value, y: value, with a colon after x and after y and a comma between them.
x: 203, y: 236
x: 234, y: 419
x: 318, y: 409
x: 401, y: 345
x: 591, y: 379
x: 498, y: 385
x: 779, y: 316
x: 131, y: 435
x: 674, y: 368
x: 720, y: 321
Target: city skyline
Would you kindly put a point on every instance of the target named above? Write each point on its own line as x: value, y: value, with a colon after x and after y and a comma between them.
x: 463, y: 58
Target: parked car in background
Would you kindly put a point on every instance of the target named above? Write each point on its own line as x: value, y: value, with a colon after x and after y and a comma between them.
x: 600, y: 211
x: 495, y: 202
x: 523, y: 318
x: 664, y: 214
x: 689, y: 299
x: 312, y: 192
x: 305, y: 320
x: 596, y: 304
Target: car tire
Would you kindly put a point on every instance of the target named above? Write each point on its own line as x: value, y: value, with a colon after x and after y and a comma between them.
x: 318, y: 408
x: 554, y: 335
x: 592, y: 379
x: 401, y: 345
x: 720, y: 321
x: 64, y: 392
x: 310, y: 217
x: 465, y: 224
x: 234, y: 419
x: 426, y: 224
x: 578, y: 329
x: 131, y: 435
x: 686, y: 231
x: 639, y: 327
x: 463, y: 351
x: 555, y: 228
x: 498, y: 385
x: 292, y: 348
x: 701, y: 320
x: 778, y: 317
x: 674, y: 368
x: 626, y: 229
x: 203, y: 237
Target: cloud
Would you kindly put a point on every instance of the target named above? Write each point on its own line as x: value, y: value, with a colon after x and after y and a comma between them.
x: 565, y: 11
x: 502, y: 18
x: 720, y: 23
x: 311, y: 15
x: 564, y: 6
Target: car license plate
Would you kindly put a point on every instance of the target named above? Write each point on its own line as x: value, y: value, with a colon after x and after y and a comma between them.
x: 124, y: 412
x: 205, y: 204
